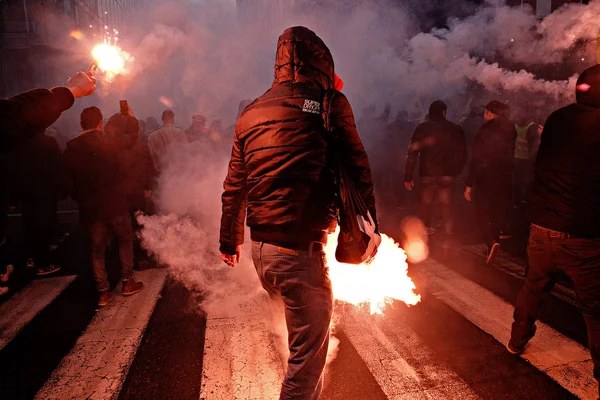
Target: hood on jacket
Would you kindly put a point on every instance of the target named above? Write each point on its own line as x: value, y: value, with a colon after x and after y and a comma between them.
x: 588, y: 87
x: 123, y: 129
x: 303, y: 57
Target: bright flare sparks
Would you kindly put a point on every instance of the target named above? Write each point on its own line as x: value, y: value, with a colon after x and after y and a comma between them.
x: 110, y: 59
x: 378, y: 283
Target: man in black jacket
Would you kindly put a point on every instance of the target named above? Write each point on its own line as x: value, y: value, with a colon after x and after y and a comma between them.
x: 442, y: 149
x: 491, y: 172
x: 30, y: 113
x: 564, y: 212
x: 280, y: 172
x: 95, y: 175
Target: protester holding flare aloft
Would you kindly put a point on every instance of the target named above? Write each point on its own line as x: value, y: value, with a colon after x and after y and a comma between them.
x: 491, y: 174
x: 279, y: 171
x: 441, y: 148
x: 30, y: 113
x: 564, y: 212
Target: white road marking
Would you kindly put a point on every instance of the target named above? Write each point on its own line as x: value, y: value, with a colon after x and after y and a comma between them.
x: 241, y: 360
x: 564, y: 360
x: 19, y: 310
x: 404, y: 368
x: 97, y: 365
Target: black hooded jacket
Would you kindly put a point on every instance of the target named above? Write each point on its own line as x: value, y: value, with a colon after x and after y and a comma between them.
x: 566, y: 189
x: 279, y: 165
x: 441, y: 147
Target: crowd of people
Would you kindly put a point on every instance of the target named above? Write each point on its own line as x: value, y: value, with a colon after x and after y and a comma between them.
x: 109, y: 169
x: 282, y: 182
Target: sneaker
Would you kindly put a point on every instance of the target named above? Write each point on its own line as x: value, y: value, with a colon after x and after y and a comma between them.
x: 6, y: 276
x: 3, y: 290
x: 50, y: 269
x: 30, y: 263
x: 493, y: 253
x: 105, y: 297
x: 132, y: 287
x: 512, y: 349
x: 505, y: 235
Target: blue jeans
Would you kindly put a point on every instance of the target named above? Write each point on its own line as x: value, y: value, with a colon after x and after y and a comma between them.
x: 301, y: 280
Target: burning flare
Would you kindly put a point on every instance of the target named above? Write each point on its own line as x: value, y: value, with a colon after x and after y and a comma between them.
x: 378, y: 283
x: 110, y: 59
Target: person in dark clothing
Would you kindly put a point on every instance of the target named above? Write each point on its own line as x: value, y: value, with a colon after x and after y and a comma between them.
x: 280, y: 173
x: 30, y: 113
x: 197, y: 131
x: 442, y: 149
x: 37, y: 183
x: 491, y: 173
x: 6, y: 268
x: 138, y: 172
x: 96, y: 184
x: 564, y: 212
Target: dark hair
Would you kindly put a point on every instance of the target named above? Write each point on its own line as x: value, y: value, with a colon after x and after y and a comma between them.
x: 436, y: 109
x: 168, y: 115
x: 90, y: 117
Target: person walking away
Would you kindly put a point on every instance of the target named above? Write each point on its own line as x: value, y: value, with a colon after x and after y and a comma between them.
x: 164, y: 139
x: 564, y: 211
x: 123, y: 132
x: 441, y: 149
x: 279, y: 173
x: 37, y: 184
x: 197, y: 131
x: 491, y: 174
x: 95, y: 177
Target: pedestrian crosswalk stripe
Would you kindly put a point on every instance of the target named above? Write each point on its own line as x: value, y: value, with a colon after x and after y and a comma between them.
x: 241, y: 361
x: 563, y: 359
x: 98, y: 363
x: 402, y: 367
x: 19, y: 310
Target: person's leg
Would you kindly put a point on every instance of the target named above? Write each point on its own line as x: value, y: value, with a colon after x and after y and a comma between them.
x: 501, y: 206
x: 302, y: 280
x: 98, y: 235
x: 481, y: 202
x: 46, y: 227
x: 445, y: 197
x: 121, y: 227
x: 428, y: 187
x: 540, y: 280
x: 580, y: 259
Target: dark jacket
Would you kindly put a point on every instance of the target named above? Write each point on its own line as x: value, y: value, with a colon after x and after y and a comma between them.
x: 138, y: 172
x: 566, y: 189
x: 36, y: 171
x: 492, y: 162
x: 441, y: 147
x: 95, y: 178
x: 280, y: 163
x: 30, y: 113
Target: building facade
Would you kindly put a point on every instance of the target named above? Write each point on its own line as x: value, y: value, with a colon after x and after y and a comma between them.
x: 35, y: 35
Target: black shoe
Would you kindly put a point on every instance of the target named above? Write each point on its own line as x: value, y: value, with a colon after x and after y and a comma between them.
x: 493, y: 253
x: 512, y: 349
x: 505, y: 235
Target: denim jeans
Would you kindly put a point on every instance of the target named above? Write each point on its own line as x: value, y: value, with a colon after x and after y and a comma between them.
x: 442, y: 188
x: 121, y: 227
x: 301, y: 280
x: 549, y: 257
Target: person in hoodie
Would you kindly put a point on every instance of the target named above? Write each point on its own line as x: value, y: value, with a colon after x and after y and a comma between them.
x: 30, y: 113
x: 138, y: 172
x: 564, y: 212
x: 95, y: 177
x: 442, y: 149
x: 280, y: 174
x: 491, y: 174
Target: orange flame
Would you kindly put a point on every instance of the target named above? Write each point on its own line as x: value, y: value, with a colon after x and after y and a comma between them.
x: 376, y: 284
x: 110, y: 59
